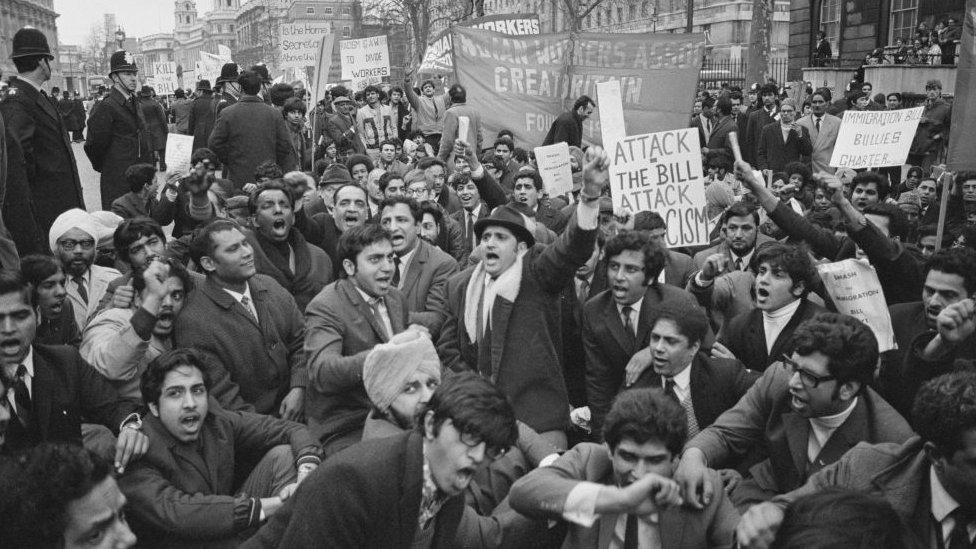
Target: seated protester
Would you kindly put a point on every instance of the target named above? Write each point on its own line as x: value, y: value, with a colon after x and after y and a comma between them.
x: 622, y: 494
x: 190, y: 200
x: 120, y: 343
x: 450, y: 236
x: 374, y: 192
x: 616, y: 323
x: 246, y: 325
x: 784, y: 275
x: 72, y: 240
x: 408, y: 487
x: 332, y: 177
x: 57, y: 323
x: 678, y: 267
x: 193, y: 485
x: 801, y: 178
x: 803, y: 414
x: 141, y: 198
x: 435, y: 173
x: 928, y: 479
x: 740, y: 236
x: 342, y: 324
x: 950, y: 281
x: 841, y: 518
x: 350, y: 208
x: 719, y: 164
x: 280, y: 250
x: 391, y: 184
x: 388, y: 160
x: 528, y: 191
x: 823, y: 213
x: 54, y: 389
x: 62, y: 495
x: 420, y: 270
x: 359, y: 166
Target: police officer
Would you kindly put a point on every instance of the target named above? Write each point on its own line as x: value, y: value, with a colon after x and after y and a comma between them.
x: 117, y: 133
x: 230, y: 90
x: 262, y: 70
x: 35, y: 124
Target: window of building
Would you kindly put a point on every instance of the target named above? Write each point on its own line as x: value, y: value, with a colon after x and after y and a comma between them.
x: 643, y: 9
x: 830, y: 22
x: 620, y: 14
x: 346, y: 10
x: 328, y: 11
x: 599, y: 18
x: 904, y: 17
x: 346, y: 33
x: 310, y: 10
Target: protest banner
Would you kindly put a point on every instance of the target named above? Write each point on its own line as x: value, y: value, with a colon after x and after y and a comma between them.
x: 301, y: 42
x: 365, y: 60
x: 437, y: 57
x: 165, y: 81
x: 209, y: 66
x: 179, y: 148
x: 853, y: 286
x: 963, y: 124
x: 875, y: 139
x: 523, y: 83
x: 555, y: 168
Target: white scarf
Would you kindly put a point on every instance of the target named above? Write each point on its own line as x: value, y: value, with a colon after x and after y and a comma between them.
x: 506, y: 285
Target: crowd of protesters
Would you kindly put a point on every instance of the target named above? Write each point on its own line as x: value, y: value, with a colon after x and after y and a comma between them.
x: 348, y: 324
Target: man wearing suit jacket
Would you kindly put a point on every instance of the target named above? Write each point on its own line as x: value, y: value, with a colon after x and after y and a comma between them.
x: 928, y: 480
x: 420, y: 269
x: 51, y: 389
x: 246, y: 324
x: 805, y: 413
x: 622, y: 494
x: 823, y: 128
x: 784, y: 276
x: 767, y: 113
x: 590, y: 280
x: 740, y: 237
x: 678, y: 267
x: 783, y: 142
x: 617, y: 322
x: 479, y: 193
x: 718, y: 139
x: 343, y: 324
x: 703, y: 121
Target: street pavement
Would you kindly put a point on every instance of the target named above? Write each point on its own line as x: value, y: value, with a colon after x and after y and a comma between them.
x: 89, y: 178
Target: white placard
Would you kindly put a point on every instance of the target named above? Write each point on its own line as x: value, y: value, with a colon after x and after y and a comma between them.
x: 463, y: 124
x: 555, y: 168
x: 875, y: 139
x: 209, y: 66
x: 612, y: 124
x: 853, y: 286
x: 179, y: 149
x: 365, y: 60
x: 165, y: 81
x: 300, y: 43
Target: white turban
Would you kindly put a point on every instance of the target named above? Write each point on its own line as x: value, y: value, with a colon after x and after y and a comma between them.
x: 74, y: 218
x: 389, y: 365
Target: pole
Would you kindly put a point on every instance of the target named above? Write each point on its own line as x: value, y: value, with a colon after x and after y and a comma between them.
x: 943, y: 206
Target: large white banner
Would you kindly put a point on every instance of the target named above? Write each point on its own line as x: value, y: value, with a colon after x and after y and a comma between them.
x: 365, y: 60
x: 875, y: 139
x: 300, y: 43
x: 209, y: 65
x: 165, y: 81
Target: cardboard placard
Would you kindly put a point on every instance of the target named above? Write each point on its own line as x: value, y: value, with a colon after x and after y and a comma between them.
x: 179, y: 149
x: 875, y: 139
x: 365, y: 60
x: 300, y: 43
x: 853, y: 286
x: 555, y: 168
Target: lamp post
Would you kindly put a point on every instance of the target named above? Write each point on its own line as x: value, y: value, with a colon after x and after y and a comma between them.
x: 120, y: 37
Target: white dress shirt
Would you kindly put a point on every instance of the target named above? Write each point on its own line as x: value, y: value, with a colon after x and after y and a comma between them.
x: 580, y: 507
x: 405, y: 260
x: 682, y: 383
x: 942, y: 505
x: 239, y: 297
x: 381, y: 305
x: 634, y: 314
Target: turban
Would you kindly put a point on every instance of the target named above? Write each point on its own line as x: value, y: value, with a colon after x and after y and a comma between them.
x: 389, y: 365
x: 107, y: 223
x: 74, y: 218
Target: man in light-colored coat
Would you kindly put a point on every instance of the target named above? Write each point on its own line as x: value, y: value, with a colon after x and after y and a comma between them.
x: 822, y: 135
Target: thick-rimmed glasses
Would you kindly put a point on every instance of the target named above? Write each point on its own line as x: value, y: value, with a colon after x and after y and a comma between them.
x: 472, y: 440
x: 809, y: 380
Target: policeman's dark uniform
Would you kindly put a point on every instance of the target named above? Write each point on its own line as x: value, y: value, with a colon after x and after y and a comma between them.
x: 228, y: 73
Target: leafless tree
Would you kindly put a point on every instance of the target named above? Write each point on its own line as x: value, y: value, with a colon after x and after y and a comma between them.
x: 576, y: 11
x: 421, y: 16
x: 93, y: 50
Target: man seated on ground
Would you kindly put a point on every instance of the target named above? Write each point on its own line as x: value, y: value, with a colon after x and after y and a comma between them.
x: 803, y: 413
x: 141, y: 198
x: 929, y: 479
x: 57, y: 323
x: 187, y: 487
x: 349, y: 209
x: 190, y: 200
x: 622, y: 494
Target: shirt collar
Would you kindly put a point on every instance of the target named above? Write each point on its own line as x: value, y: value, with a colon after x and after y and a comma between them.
x: 368, y: 298
x: 683, y: 378
x: 33, y: 84
x: 239, y: 295
x: 636, y: 306
x: 784, y: 311
x: 942, y: 503
x: 745, y: 258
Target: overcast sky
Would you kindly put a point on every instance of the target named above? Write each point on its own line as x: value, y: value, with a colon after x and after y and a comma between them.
x: 136, y: 17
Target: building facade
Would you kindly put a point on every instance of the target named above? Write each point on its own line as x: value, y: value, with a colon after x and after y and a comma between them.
x: 16, y: 14
x: 155, y: 48
x: 193, y: 33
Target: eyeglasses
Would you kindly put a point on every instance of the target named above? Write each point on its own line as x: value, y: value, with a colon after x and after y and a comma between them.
x: 416, y: 192
x: 808, y: 379
x: 472, y: 440
x: 69, y: 245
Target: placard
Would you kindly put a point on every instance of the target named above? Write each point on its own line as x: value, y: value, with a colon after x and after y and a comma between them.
x: 365, y: 60
x: 179, y: 149
x: 165, y: 81
x: 437, y: 57
x: 300, y: 43
x: 853, y: 286
x: 875, y: 139
x: 555, y: 168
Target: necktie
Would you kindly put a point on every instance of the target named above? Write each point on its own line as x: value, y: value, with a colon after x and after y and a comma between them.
x: 738, y: 263
x: 82, y: 290
x: 246, y: 302
x: 630, y: 534
x: 469, y: 228
x: 396, y: 271
x: 628, y: 323
x: 818, y: 124
x: 375, y: 305
x: 671, y: 390
x: 22, y: 397
x: 959, y: 536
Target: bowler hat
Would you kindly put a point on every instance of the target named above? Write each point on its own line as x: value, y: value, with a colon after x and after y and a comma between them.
x: 30, y: 42
x: 122, y: 61
x: 336, y: 173
x: 203, y: 85
x: 509, y: 218
x: 228, y: 73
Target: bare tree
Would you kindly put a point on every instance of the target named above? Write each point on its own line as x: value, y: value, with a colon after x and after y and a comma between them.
x: 420, y: 16
x: 758, y: 61
x: 93, y: 49
x: 576, y: 11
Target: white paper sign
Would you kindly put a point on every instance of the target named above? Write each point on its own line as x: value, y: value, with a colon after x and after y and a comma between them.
x: 875, y: 139
x: 612, y: 124
x: 164, y: 78
x: 179, y: 149
x: 555, y: 168
x: 209, y: 66
x: 365, y: 60
x: 463, y: 124
x: 853, y: 286
x: 300, y: 43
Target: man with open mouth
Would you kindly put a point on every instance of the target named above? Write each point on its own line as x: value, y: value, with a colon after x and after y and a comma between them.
x: 350, y: 208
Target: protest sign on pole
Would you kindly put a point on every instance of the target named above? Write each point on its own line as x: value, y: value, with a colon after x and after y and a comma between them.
x: 853, y: 286
x: 437, y: 57
x: 875, y: 139
x: 555, y: 168
x: 301, y: 42
x: 165, y: 81
x: 209, y: 66
x: 179, y: 148
x: 365, y: 60
x: 611, y: 111
x: 963, y: 125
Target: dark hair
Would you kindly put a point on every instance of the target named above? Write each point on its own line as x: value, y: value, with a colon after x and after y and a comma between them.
x: 822, y: 92
x: 505, y: 132
x: 394, y: 142
x: 837, y: 518
x: 38, y: 486
x: 872, y: 177
x: 736, y: 93
x: 293, y: 104
x: 384, y: 180
x: 359, y: 159
x: 139, y: 175
x: 13, y: 281
x: 151, y: 383
x: 957, y: 261
x: 338, y: 91
x: 319, y: 168
x: 268, y: 170
x: 801, y: 169
x: 945, y: 409
x: 353, y: 241
x: 37, y: 268
x: 504, y: 141
x: 739, y: 210
x: 848, y: 343
x: 203, y: 244
x: 133, y: 229
x: 895, y: 94
x: 412, y: 205
x: 457, y: 93
x: 654, y: 255
x: 964, y: 175
x: 646, y: 414
x: 270, y: 185
x: 719, y: 159
x: 280, y: 93
x: 179, y: 93
x: 175, y: 269
x: 335, y: 193
x: 582, y: 101
x: 204, y: 154
x: 434, y: 210
x: 724, y: 106
x: 526, y: 172
x: 708, y: 102
x: 897, y: 222
x: 396, y: 89
x: 250, y: 82
x: 474, y: 406
x: 793, y: 259
x: 768, y: 89
x: 648, y: 221
x: 428, y: 162
x: 691, y: 322
x: 917, y: 170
